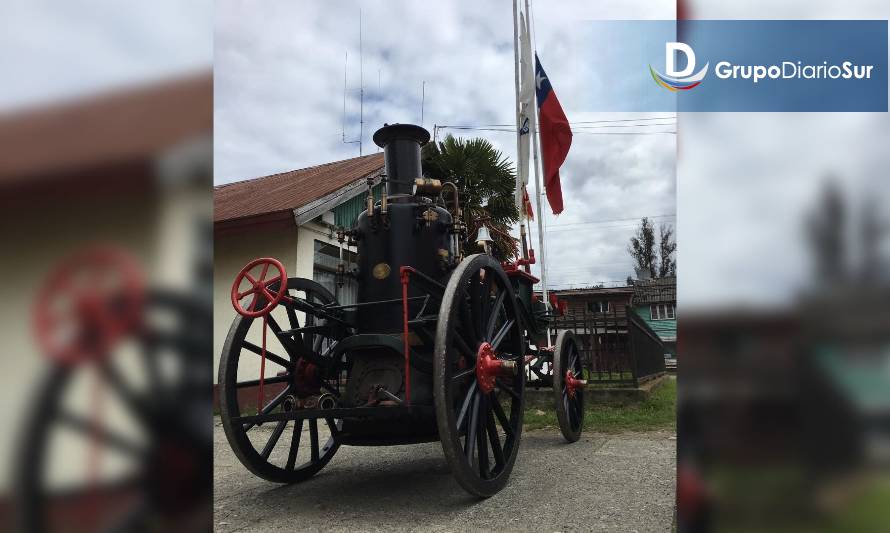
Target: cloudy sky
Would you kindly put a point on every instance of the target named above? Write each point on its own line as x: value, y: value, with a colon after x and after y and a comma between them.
x: 52, y: 51
x: 745, y: 180
x: 279, y: 73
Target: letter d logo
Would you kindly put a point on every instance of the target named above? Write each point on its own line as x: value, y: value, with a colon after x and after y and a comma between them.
x: 670, y: 50
x: 681, y: 80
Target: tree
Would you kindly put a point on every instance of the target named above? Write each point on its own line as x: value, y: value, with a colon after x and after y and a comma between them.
x: 487, y: 184
x: 667, y: 246
x: 642, y: 248
x: 826, y: 228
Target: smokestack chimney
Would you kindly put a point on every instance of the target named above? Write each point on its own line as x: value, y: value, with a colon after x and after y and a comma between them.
x: 401, y: 151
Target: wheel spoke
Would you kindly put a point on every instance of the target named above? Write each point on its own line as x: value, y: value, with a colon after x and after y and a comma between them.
x: 482, y: 447
x: 268, y: 381
x: 313, y: 438
x: 92, y: 429
x: 508, y: 390
x: 263, y: 272
x: 493, y: 437
x: 576, y: 408
x: 292, y: 317
x: 294, y: 444
x: 461, y: 344
x: 292, y: 348
x: 567, y: 408
x: 251, y: 290
x: 466, y: 324
x: 471, y: 430
x: 476, y: 306
x: 116, y: 380
x: 486, y: 309
x: 268, y: 408
x: 464, y: 409
x: 495, y: 313
x: 153, y: 368
x: 332, y: 427
x: 308, y: 336
x: 464, y: 373
x: 502, y: 333
x: 501, y: 416
x: 277, y: 359
x: 273, y: 440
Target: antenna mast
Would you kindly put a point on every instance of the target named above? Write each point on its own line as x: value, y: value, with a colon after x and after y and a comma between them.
x: 345, y: 70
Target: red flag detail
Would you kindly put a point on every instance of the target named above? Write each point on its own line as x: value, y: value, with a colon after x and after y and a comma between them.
x: 556, y: 137
x: 527, y: 204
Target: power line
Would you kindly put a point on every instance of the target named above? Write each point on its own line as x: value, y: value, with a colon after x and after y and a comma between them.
x: 512, y: 131
x: 603, y: 221
x: 603, y: 126
x: 672, y: 117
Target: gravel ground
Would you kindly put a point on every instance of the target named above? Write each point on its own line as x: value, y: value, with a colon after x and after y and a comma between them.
x: 621, y: 482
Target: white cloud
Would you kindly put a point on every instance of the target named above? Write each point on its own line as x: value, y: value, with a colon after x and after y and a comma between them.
x: 279, y: 101
x: 59, y: 50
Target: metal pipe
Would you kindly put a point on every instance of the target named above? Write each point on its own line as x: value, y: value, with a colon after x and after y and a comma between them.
x: 404, y: 271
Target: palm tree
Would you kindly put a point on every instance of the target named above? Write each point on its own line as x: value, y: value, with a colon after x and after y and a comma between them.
x: 487, y: 183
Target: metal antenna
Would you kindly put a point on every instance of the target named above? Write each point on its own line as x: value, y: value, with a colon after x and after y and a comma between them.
x: 378, y: 92
x: 345, y: 70
x: 422, y: 100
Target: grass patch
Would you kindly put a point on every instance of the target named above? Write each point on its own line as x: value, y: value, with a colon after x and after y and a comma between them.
x: 658, y: 412
x: 867, y: 512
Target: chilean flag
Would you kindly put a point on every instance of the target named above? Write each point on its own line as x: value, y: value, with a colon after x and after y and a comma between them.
x: 556, y: 136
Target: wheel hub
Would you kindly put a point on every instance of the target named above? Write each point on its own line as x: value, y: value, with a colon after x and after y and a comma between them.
x: 489, y: 367
x: 573, y: 384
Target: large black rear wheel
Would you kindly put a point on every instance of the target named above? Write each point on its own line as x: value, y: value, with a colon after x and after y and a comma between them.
x: 479, y: 377
x: 568, y: 388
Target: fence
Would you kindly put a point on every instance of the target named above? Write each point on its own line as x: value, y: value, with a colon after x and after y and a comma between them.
x: 618, y: 347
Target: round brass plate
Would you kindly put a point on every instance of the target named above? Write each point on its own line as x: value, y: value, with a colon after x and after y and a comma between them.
x: 381, y: 271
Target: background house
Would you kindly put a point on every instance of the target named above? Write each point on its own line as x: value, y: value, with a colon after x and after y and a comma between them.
x: 618, y: 346
x: 655, y: 301
x: 595, y: 299
x: 291, y: 216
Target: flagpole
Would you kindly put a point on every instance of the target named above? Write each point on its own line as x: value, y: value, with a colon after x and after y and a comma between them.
x: 522, y: 232
x: 540, y: 191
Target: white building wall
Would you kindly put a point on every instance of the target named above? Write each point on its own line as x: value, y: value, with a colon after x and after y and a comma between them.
x: 293, y: 246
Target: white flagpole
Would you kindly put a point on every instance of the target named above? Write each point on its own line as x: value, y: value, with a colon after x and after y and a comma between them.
x: 522, y: 233
x: 540, y: 191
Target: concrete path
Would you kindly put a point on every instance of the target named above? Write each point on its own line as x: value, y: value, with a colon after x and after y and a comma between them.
x: 619, y: 482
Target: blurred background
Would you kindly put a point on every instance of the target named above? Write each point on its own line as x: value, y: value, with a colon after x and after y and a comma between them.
x: 105, y: 178
x: 105, y: 174
x: 784, y: 298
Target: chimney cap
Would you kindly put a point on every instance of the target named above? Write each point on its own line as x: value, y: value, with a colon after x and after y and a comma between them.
x: 394, y: 132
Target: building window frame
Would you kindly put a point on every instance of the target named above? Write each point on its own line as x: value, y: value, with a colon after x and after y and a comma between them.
x: 596, y: 306
x: 663, y: 311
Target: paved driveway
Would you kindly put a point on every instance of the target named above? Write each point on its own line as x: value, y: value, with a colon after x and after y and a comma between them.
x: 602, y: 483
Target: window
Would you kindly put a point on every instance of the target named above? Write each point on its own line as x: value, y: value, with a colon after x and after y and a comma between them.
x: 324, y: 271
x: 663, y: 312
x: 603, y: 306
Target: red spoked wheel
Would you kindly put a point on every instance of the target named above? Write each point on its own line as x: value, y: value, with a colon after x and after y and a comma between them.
x: 259, y: 287
x: 88, y: 303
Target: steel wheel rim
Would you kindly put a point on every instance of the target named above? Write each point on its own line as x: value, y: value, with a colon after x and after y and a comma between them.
x: 480, y: 434
x: 569, y: 406
x: 284, y: 466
